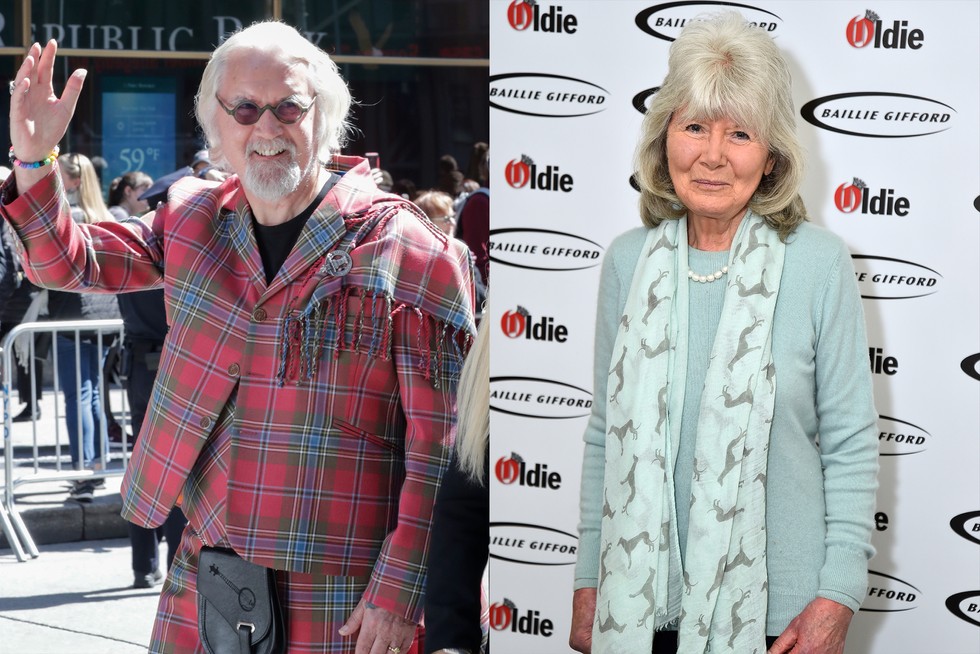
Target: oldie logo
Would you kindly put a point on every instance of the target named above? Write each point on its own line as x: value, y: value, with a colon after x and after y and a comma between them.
x: 866, y: 30
x: 543, y: 249
x: 878, y: 114
x: 967, y: 525
x: 532, y: 397
x: 513, y: 469
x: 528, y: 14
x: 547, y: 96
x: 855, y: 196
x: 524, y: 173
x: 518, y: 542
x: 887, y: 594
x: 519, y: 323
x: 965, y: 606
x: 505, y: 616
x: 885, y: 278
x: 665, y: 21
x: 881, y: 363
x: 897, y: 437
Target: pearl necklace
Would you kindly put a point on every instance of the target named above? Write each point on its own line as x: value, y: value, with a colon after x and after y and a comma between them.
x: 718, y: 274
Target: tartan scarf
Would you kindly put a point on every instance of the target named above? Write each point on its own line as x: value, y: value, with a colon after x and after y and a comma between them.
x: 322, y: 325
x: 717, y: 601
x: 395, y: 277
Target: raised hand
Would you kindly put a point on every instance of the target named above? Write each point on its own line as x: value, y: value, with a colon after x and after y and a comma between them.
x: 38, y: 117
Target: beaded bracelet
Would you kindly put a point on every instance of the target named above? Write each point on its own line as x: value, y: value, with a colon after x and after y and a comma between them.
x: 33, y: 164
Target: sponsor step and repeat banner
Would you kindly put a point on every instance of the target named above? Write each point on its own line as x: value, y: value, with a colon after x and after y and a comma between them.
x: 889, y: 113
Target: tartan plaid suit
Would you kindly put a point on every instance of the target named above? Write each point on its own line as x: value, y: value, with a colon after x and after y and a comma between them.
x: 306, y: 421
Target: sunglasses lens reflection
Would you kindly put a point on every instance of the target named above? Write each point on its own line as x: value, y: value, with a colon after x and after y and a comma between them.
x: 287, y: 111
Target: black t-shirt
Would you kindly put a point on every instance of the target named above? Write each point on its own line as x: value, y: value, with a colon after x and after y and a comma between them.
x: 276, y: 241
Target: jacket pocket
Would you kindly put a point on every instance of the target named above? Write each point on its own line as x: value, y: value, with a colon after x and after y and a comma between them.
x: 352, y: 430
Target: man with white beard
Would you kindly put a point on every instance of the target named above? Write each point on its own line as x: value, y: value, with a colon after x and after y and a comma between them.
x: 305, y: 396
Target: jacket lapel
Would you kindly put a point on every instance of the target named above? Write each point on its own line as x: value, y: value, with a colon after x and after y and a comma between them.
x: 237, y: 215
x: 322, y: 232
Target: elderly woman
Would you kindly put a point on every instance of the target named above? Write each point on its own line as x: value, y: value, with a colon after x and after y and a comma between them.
x: 729, y: 335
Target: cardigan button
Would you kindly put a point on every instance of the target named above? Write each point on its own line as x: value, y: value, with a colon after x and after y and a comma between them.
x: 205, y: 422
x: 259, y: 314
x: 234, y: 369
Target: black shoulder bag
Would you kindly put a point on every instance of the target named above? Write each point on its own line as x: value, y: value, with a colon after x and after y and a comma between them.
x: 238, y: 607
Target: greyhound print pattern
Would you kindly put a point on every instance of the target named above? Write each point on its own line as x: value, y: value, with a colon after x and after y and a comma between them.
x: 717, y: 599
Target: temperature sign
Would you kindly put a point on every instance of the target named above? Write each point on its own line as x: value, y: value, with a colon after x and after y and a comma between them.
x: 138, y: 126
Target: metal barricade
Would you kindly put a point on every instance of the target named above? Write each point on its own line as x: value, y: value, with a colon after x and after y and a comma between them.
x: 14, y: 528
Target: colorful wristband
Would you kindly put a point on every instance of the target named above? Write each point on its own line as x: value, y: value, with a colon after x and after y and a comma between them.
x: 33, y: 164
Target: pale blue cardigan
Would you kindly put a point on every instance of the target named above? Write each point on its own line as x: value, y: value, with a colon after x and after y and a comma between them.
x: 820, y: 499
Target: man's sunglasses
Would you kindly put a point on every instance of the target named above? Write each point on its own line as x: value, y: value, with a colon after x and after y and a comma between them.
x: 247, y: 112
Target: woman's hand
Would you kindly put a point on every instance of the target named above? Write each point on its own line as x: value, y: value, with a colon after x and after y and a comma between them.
x: 583, y: 615
x: 819, y: 629
x: 38, y: 117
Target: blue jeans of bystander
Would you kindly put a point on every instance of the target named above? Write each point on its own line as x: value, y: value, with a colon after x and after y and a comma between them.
x: 81, y: 394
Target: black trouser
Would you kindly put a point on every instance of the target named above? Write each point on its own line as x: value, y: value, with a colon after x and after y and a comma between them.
x: 665, y: 642
x: 146, y: 542
x: 139, y: 369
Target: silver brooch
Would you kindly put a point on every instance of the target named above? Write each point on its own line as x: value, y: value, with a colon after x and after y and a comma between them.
x: 337, y: 264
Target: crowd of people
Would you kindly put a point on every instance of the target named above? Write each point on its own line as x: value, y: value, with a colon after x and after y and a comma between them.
x: 459, y: 205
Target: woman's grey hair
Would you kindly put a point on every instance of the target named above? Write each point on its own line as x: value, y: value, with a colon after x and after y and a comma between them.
x: 724, y: 67
x: 333, y: 98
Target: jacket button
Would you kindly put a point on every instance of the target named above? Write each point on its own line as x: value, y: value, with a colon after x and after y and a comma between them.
x: 205, y: 422
x: 259, y: 314
x: 234, y: 369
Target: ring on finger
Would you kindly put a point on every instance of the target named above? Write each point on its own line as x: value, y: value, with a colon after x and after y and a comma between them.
x: 13, y: 83
x: 394, y: 649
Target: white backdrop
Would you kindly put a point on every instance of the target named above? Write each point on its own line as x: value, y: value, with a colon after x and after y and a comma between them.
x: 890, y: 117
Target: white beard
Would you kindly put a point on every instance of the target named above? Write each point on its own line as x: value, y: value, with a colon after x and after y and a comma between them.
x: 272, y: 180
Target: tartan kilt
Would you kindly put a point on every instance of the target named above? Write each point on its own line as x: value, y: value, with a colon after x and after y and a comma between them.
x: 315, y: 607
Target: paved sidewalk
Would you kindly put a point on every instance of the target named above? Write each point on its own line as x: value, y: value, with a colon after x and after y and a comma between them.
x: 76, y: 597
x: 42, y: 495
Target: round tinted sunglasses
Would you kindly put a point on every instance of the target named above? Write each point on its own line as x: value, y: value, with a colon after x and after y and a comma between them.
x: 247, y: 112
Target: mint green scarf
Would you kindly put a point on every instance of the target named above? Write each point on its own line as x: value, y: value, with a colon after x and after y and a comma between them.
x: 718, y: 600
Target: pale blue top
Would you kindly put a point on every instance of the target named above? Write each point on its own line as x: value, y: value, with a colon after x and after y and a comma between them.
x: 820, y: 499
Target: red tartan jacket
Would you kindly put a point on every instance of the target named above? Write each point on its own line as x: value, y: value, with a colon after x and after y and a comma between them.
x: 336, y: 393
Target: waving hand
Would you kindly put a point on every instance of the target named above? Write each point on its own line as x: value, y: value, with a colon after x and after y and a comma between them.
x: 38, y: 117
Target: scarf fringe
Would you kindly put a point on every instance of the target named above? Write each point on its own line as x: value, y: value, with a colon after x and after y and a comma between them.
x: 440, y: 348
